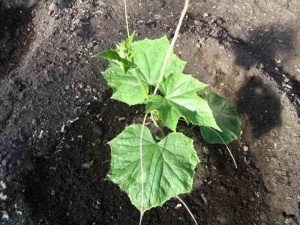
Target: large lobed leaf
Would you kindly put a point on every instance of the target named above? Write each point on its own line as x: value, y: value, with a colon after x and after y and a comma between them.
x: 180, y: 99
x: 127, y: 86
x: 168, y: 166
x: 135, y: 66
x: 149, y: 55
x: 226, y: 117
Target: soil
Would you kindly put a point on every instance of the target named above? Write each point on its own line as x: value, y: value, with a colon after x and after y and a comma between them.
x: 56, y: 115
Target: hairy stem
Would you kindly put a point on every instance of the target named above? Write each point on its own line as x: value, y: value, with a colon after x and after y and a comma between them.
x: 157, y: 126
x: 164, y: 66
x: 126, y: 17
x: 187, y: 208
x: 155, y: 91
x: 189, y: 130
x: 226, y: 147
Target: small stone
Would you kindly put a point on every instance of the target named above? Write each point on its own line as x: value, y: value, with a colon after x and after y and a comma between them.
x: 246, y: 148
x: 96, y: 204
x: 3, y: 197
x: 88, y: 165
x: 205, y: 15
x: 288, y: 86
x: 288, y: 221
x: 178, y: 206
x: 3, y: 185
x: 213, y: 168
x: 52, y: 8
x: 219, y: 21
x: 41, y: 134
x: 286, y: 80
x: 63, y: 129
x: 222, y: 219
x: 80, y: 85
x: 196, y: 22
x: 5, y: 215
x: 90, y: 45
x: 4, y: 162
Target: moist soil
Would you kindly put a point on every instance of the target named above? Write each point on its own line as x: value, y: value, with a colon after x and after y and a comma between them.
x: 56, y: 115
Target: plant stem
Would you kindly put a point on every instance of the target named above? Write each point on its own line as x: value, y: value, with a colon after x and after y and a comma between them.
x: 126, y: 17
x: 155, y: 91
x: 141, y: 168
x: 158, y: 127
x: 188, y: 131
x: 226, y: 147
x: 141, y: 84
x: 187, y: 208
x: 164, y: 66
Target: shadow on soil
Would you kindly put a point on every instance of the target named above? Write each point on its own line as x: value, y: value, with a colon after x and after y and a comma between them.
x: 15, y: 34
x: 264, y: 44
x: 261, y: 104
x: 260, y: 50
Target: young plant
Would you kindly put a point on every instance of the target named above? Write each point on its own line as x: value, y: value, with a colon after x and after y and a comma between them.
x: 150, y: 171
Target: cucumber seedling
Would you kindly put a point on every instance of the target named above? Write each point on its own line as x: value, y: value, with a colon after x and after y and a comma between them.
x: 148, y: 72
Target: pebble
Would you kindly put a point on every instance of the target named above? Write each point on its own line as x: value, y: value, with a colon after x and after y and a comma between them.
x: 52, y: 8
x: 88, y: 165
x: 3, y: 185
x: 222, y: 219
x: 178, y: 206
x: 5, y: 215
x: 246, y: 148
x: 286, y: 80
x: 288, y: 221
x: 41, y: 134
x: 90, y: 45
x: 3, y: 197
x: 288, y: 86
x: 63, y: 129
x: 205, y: 15
x: 198, y: 23
x: 96, y: 204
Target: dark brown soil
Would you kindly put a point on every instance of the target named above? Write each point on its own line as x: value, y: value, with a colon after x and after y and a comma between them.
x: 56, y: 115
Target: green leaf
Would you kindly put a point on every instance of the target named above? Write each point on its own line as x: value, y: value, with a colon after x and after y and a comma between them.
x: 180, y: 99
x: 149, y: 55
x: 113, y: 56
x: 122, y: 55
x: 127, y: 86
x: 124, y: 48
x: 135, y: 66
x: 227, y: 119
x: 168, y: 166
